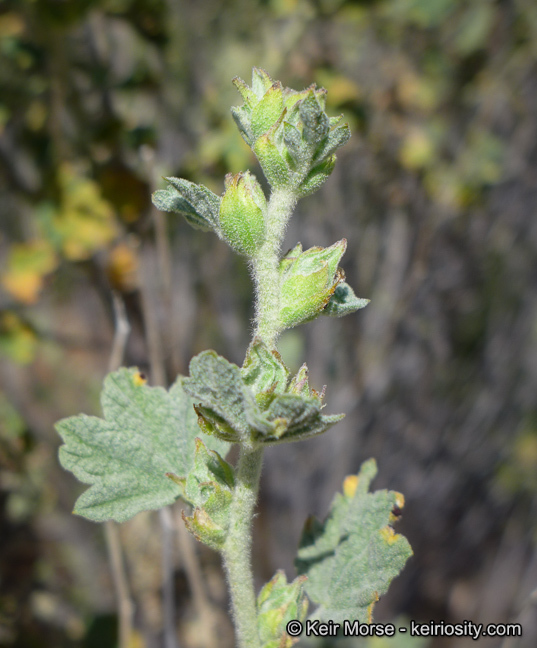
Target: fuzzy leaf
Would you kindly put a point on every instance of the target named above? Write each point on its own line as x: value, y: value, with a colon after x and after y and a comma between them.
x: 217, y: 385
x: 290, y: 133
x: 292, y: 417
x: 296, y: 151
x: 352, y: 557
x: 261, y: 82
x: 146, y: 432
x: 242, y: 117
x: 344, y: 301
x: 196, y: 203
x: 248, y: 95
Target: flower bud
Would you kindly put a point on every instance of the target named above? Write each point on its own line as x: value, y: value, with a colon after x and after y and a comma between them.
x: 242, y: 213
x: 308, y: 281
x: 271, y: 160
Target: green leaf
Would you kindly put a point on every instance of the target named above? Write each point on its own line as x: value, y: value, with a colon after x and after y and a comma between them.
x: 297, y: 153
x: 292, y: 417
x: 242, y: 117
x: 217, y: 385
x: 352, y: 557
x: 278, y: 603
x: 196, y: 203
x: 248, y: 95
x: 146, y: 432
x: 344, y: 301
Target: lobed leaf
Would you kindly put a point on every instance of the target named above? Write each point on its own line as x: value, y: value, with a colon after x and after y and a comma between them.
x: 352, y: 557
x: 146, y: 432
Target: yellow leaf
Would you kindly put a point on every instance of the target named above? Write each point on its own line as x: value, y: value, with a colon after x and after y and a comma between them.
x: 17, y: 340
x: 341, y: 89
x: 27, y: 265
x: 122, y: 268
x: 417, y: 92
x: 417, y: 150
x: 85, y: 221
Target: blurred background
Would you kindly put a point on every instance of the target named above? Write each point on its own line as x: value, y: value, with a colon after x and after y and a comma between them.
x: 436, y: 194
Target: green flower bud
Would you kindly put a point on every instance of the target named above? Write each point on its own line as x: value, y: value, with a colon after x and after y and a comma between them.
x: 242, y: 213
x: 268, y: 111
x: 309, y: 280
x: 271, y: 160
x: 317, y: 176
x: 209, y: 489
x: 278, y: 603
x: 263, y: 105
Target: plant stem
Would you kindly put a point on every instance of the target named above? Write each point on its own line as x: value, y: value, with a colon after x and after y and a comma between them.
x: 237, y: 549
x: 266, y: 266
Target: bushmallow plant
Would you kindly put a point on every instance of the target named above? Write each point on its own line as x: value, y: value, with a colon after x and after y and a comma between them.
x: 155, y: 446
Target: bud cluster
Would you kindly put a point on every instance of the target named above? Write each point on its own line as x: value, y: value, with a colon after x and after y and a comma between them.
x: 289, y: 132
x: 258, y: 403
x: 294, y: 141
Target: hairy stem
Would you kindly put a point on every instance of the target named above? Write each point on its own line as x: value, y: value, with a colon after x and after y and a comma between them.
x: 265, y: 267
x: 237, y: 549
